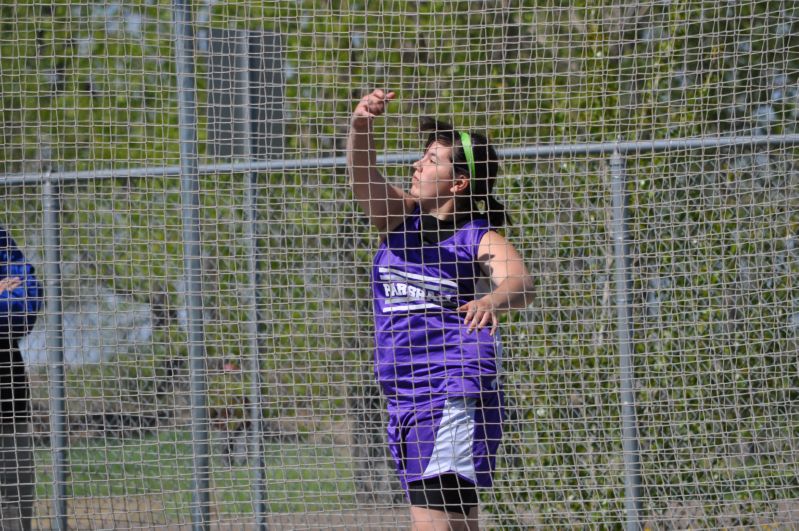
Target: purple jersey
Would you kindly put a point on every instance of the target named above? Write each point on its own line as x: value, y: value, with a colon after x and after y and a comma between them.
x: 422, y: 348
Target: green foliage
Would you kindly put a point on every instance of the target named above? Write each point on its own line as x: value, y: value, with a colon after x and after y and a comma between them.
x: 85, y: 88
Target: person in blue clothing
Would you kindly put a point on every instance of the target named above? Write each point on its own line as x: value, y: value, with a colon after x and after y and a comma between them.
x: 20, y: 303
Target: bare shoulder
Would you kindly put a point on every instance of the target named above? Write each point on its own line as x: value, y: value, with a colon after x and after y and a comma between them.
x: 493, y: 243
x: 498, y: 257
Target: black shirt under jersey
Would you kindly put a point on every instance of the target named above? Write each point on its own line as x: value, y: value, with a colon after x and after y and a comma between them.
x: 436, y: 230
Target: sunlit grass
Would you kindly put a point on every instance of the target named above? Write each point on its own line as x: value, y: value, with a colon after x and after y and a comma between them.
x: 300, y: 477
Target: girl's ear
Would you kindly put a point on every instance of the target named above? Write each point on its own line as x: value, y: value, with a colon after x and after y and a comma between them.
x: 460, y: 183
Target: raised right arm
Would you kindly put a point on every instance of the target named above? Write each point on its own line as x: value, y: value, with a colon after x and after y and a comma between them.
x: 385, y: 205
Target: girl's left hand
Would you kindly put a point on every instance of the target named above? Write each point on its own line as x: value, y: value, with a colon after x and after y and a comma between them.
x: 479, y: 313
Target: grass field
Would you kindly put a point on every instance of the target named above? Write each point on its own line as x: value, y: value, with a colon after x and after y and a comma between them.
x: 301, y: 477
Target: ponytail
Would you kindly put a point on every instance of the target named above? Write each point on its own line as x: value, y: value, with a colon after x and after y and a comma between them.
x: 497, y: 215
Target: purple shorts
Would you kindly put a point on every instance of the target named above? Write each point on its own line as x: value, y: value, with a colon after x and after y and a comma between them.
x: 456, y: 435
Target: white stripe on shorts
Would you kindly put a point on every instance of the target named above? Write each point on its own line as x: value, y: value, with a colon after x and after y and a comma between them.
x: 452, y: 451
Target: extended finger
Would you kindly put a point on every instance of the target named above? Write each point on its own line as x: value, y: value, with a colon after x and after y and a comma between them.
x: 379, y: 98
x: 485, y: 320
x: 475, y: 321
x: 494, y: 324
x: 383, y: 94
x: 467, y: 320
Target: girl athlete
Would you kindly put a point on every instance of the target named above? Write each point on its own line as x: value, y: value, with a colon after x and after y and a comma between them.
x: 441, y: 277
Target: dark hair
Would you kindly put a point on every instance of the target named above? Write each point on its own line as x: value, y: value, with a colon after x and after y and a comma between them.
x: 486, y: 166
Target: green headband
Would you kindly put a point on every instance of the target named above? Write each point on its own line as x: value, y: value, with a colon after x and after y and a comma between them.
x: 466, y: 142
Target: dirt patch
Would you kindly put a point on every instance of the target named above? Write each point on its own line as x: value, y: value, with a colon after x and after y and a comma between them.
x: 132, y: 512
x: 149, y: 512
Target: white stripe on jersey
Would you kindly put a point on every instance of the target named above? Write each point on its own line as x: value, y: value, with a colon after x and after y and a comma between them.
x: 413, y: 276
x: 408, y: 307
x: 430, y: 287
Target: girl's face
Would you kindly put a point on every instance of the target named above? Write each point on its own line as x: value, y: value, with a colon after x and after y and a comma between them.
x: 433, y: 177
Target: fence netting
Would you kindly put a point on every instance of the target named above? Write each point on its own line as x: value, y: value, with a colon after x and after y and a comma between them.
x: 89, y: 100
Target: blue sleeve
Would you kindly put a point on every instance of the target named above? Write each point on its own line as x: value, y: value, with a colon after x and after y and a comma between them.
x: 19, y: 307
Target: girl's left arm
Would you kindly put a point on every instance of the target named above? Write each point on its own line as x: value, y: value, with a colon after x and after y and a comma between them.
x: 513, y: 285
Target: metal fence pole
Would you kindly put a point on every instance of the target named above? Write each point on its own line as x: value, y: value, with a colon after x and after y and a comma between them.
x: 523, y: 153
x: 629, y: 430
x: 256, y: 427
x: 190, y: 208
x: 255, y: 413
x: 54, y: 346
